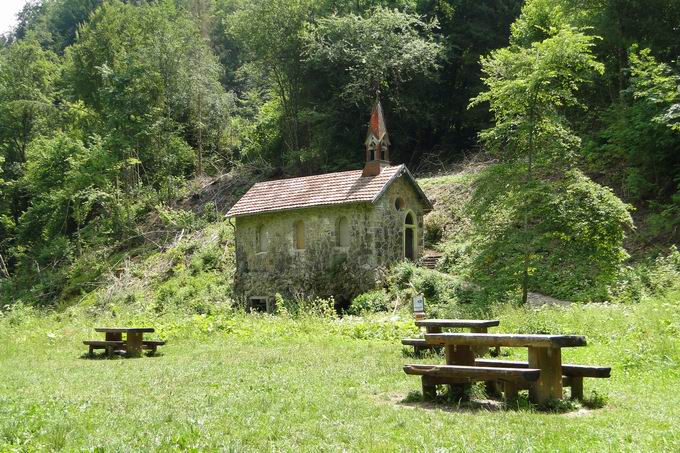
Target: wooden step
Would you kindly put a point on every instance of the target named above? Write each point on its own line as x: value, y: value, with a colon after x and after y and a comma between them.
x: 430, y: 261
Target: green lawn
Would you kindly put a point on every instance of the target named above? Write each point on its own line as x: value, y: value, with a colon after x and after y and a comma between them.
x: 266, y: 383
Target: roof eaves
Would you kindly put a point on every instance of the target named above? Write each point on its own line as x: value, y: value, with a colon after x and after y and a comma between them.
x: 404, y: 170
x: 428, y: 203
x: 294, y: 208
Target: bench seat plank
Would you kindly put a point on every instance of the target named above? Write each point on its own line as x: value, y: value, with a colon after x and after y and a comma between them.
x: 103, y: 343
x: 416, y: 342
x: 457, y: 323
x: 568, y: 369
x: 505, y: 339
x: 474, y: 373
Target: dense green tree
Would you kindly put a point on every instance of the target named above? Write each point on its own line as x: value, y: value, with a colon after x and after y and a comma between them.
x: 271, y: 33
x: 152, y: 80
x: 378, y: 51
x: 534, y: 212
x: 54, y: 22
x: 28, y: 75
x: 642, y: 137
x: 468, y: 29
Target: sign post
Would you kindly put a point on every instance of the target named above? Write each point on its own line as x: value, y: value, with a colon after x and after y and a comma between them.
x: 419, y: 306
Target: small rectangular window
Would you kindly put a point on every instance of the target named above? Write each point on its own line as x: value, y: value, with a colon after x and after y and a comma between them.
x: 259, y: 304
x: 299, y: 235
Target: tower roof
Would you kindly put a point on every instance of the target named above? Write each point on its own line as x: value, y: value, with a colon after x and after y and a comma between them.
x: 377, y: 130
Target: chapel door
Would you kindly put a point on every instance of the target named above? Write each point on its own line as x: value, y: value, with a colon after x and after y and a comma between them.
x: 409, y: 237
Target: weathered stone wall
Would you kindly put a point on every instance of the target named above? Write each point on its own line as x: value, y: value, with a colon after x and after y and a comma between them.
x: 323, y: 268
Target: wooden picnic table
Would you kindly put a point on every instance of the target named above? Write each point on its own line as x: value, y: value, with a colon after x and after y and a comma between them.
x: 437, y: 325
x: 544, y: 353
x: 133, y: 342
x: 475, y: 325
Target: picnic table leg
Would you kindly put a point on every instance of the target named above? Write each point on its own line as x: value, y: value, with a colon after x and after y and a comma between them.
x: 549, y: 384
x: 510, y: 391
x: 576, y: 387
x: 459, y: 355
x: 114, y: 336
x: 480, y: 350
x: 429, y: 389
x: 419, y: 349
x: 133, y: 345
x: 492, y: 387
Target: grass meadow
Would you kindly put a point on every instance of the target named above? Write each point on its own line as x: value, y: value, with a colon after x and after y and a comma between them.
x: 237, y: 382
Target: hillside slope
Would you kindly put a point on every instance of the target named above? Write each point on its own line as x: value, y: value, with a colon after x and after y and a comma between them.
x: 184, y: 255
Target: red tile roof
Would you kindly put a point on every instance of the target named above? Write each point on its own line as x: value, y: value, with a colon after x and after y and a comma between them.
x: 320, y: 190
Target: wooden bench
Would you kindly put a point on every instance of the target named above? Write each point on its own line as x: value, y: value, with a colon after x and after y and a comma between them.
x: 108, y: 345
x: 152, y: 345
x: 419, y: 344
x: 572, y: 375
x: 112, y: 346
x: 512, y: 378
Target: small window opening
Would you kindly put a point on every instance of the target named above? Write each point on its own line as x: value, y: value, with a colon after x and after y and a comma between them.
x: 342, y: 232
x: 399, y: 204
x: 299, y: 235
x: 259, y: 305
x: 372, y: 155
x: 260, y: 239
x: 409, y: 219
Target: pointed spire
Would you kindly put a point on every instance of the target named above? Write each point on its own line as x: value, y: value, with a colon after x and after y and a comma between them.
x: 377, y: 141
x: 377, y: 131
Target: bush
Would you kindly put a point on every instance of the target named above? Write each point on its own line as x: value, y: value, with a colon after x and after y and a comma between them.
x: 370, y: 302
x: 573, y: 244
x: 435, y: 224
x: 647, y: 278
x: 444, y: 294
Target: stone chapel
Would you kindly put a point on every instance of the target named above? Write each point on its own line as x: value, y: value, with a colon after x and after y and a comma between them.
x: 330, y: 234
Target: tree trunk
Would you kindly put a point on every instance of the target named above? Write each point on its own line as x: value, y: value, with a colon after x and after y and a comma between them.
x: 529, y: 179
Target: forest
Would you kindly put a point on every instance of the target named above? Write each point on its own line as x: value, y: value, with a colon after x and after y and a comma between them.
x: 112, y: 111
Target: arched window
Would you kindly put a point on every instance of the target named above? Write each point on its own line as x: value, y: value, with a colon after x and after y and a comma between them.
x: 410, y: 237
x: 260, y: 239
x: 399, y: 204
x: 342, y: 232
x: 299, y: 235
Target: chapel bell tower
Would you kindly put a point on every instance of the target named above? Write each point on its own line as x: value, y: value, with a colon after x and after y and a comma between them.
x: 377, y: 142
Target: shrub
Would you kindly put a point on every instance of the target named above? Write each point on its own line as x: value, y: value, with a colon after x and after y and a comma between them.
x: 444, y: 294
x: 435, y: 224
x: 370, y: 302
x: 178, y: 219
x: 572, y: 247
x: 647, y: 278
